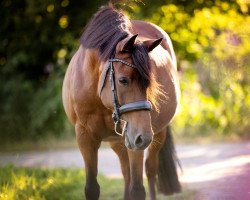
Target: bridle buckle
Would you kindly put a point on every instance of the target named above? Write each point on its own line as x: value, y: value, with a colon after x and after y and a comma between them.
x: 118, y: 125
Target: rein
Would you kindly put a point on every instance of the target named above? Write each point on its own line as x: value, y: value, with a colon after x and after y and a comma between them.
x: 118, y: 109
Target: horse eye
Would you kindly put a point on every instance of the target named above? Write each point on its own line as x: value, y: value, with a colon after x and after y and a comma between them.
x: 124, y: 81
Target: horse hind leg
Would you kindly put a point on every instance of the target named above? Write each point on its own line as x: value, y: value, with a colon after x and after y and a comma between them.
x: 161, y: 161
x: 152, y: 161
x: 168, y: 181
x: 89, y: 150
x: 121, y: 151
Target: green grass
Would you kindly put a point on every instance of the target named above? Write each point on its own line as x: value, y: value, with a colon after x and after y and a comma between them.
x: 64, y: 184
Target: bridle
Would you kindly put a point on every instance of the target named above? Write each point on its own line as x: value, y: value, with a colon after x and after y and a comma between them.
x: 121, y: 109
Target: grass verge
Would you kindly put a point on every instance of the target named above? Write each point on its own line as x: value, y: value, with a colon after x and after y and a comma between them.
x: 65, y: 184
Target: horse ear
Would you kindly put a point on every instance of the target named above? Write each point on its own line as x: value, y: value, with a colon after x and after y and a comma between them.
x: 129, y: 45
x: 151, y: 44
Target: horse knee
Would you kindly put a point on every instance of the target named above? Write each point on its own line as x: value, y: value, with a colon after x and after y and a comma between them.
x: 137, y: 193
x: 92, y: 191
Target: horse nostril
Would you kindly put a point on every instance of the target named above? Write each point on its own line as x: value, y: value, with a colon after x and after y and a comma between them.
x: 138, y: 140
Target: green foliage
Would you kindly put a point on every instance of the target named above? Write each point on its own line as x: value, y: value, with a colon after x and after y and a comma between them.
x: 32, y: 112
x: 35, y: 34
x: 37, y: 39
x: 64, y: 184
x: 215, y: 87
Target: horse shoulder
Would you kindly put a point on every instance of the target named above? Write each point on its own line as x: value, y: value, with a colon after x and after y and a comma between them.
x: 75, y: 86
x: 80, y: 96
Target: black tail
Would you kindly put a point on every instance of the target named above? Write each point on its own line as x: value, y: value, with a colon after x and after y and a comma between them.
x: 168, y: 182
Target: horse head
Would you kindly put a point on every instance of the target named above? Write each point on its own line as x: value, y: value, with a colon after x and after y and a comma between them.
x: 123, y: 88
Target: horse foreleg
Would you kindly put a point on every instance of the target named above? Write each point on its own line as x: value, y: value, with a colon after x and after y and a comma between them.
x: 89, y: 150
x: 136, y: 188
x: 152, y: 161
x: 121, y: 151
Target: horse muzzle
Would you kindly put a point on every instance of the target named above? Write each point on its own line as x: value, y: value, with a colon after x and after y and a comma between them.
x: 138, y: 142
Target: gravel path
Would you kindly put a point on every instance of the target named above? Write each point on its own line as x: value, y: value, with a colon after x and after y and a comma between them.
x: 217, y: 171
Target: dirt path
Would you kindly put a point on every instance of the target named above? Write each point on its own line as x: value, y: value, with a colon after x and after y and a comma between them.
x: 217, y: 171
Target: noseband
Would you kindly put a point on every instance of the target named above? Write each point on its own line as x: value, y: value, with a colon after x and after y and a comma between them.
x: 118, y: 109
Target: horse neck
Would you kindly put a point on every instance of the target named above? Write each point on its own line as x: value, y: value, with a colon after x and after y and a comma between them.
x: 165, y: 68
x: 87, y: 70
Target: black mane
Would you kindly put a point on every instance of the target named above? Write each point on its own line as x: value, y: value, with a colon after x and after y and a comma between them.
x: 106, y: 28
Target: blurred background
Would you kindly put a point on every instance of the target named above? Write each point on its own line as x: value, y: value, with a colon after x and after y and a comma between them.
x: 210, y: 38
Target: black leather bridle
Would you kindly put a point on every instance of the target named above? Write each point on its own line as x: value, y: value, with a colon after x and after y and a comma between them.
x: 121, y: 109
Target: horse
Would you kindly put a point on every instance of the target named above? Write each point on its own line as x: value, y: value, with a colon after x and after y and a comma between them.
x: 121, y: 86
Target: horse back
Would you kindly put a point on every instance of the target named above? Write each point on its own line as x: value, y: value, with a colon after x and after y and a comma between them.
x: 147, y: 30
x: 164, y: 68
